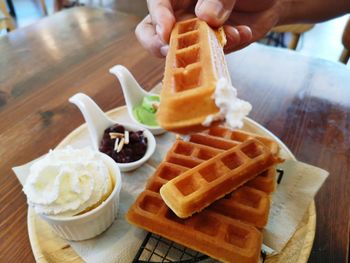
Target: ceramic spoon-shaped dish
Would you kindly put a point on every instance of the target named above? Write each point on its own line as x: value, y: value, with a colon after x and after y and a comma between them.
x: 133, y: 94
x: 97, y: 121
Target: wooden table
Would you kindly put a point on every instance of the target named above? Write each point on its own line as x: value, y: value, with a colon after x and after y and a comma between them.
x: 304, y: 101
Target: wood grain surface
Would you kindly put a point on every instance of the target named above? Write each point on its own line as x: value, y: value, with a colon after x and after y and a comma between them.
x: 304, y: 101
x: 41, y: 67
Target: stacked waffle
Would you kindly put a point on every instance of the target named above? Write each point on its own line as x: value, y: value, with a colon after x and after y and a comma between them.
x: 194, y: 64
x: 222, y: 179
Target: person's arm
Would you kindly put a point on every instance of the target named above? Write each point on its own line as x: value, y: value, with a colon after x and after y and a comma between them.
x: 312, y: 11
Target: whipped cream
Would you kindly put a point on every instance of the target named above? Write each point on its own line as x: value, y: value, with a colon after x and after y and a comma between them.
x: 232, y: 109
x: 68, y: 181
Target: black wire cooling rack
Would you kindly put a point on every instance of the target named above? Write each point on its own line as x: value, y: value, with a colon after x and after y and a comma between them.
x: 158, y: 249
x: 155, y: 248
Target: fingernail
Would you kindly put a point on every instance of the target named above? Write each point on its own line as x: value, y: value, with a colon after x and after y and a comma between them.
x: 245, y: 33
x: 164, y: 50
x: 214, y: 8
x: 232, y: 32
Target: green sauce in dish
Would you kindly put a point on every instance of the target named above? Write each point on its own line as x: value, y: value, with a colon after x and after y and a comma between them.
x: 145, y: 113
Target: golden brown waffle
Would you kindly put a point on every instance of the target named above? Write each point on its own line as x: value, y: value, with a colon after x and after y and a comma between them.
x: 247, y: 208
x: 224, y: 138
x: 194, y: 64
x: 211, y: 232
x: 248, y: 204
x: 200, y: 186
x: 189, y: 155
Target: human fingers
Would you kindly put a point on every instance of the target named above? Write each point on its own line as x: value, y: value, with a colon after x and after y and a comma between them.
x: 259, y: 22
x: 214, y: 12
x: 162, y: 16
x: 148, y: 37
x: 237, y: 37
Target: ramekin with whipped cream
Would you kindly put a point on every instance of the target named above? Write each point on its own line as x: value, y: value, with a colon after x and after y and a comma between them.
x: 75, y: 190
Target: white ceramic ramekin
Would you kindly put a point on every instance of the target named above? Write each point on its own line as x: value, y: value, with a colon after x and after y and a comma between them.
x: 94, y: 222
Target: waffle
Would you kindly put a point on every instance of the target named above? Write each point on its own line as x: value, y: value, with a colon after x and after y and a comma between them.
x: 194, y: 64
x: 224, y: 138
x: 229, y: 229
x: 200, y: 186
x: 190, y: 154
x: 211, y: 232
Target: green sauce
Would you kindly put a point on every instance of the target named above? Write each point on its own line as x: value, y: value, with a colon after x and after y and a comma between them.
x: 145, y: 113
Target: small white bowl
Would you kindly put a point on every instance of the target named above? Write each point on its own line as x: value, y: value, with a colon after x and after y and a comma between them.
x: 97, y: 122
x: 94, y: 222
x: 151, y: 146
x: 133, y: 94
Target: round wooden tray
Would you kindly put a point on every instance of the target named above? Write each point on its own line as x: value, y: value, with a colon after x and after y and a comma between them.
x: 48, y: 247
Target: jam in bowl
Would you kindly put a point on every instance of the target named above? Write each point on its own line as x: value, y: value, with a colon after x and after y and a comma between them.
x: 135, y: 144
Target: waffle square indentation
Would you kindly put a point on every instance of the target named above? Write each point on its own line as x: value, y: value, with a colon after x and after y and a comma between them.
x: 218, y: 132
x: 208, y: 225
x: 187, y: 57
x: 169, y: 173
x: 187, y: 79
x: 151, y: 204
x: 204, y: 154
x: 238, y: 136
x: 188, y: 40
x: 188, y: 185
x: 154, y: 186
x: 236, y: 236
x: 252, y: 150
x: 232, y: 161
x: 185, y: 27
x: 184, y: 149
x: 248, y: 198
x: 212, y: 172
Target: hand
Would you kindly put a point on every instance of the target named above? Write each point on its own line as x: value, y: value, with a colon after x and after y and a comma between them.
x: 244, y: 21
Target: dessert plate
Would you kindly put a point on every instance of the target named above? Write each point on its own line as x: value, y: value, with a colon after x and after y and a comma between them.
x: 48, y: 247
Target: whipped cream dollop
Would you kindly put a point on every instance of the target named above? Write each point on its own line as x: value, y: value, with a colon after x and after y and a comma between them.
x: 68, y: 181
x: 232, y: 109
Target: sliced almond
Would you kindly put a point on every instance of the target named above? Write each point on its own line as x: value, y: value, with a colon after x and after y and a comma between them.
x: 120, y: 146
x: 114, y: 135
x: 155, y: 105
x: 126, y: 137
x: 116, y: 144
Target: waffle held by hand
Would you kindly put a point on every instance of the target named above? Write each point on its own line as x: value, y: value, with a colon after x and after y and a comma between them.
x: 194, y: 64
x: 200, y: 186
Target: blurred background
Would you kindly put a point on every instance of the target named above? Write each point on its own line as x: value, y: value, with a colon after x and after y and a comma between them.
x: 327, y: 40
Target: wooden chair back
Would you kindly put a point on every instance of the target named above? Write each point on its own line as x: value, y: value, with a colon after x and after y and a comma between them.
x: 296, y: 29
x: 5, y: 18
x: 346, y: 43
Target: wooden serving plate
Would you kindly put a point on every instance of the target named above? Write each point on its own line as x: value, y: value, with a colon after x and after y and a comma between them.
x: 48, y: 247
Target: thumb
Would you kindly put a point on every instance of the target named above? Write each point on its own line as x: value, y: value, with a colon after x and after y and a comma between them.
x: 214, y: 12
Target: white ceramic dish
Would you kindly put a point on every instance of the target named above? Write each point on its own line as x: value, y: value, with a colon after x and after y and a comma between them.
x: 97, y: 121
x: 133, y: 94
x: 94, y: 222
